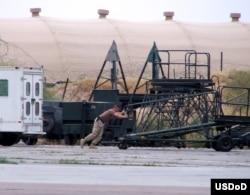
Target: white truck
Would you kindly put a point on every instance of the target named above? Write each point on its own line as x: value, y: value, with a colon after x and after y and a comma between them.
x: 21, y: 99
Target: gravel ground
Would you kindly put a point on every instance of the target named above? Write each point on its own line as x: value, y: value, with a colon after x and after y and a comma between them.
x: 108, y: 155
x: 60, y: 169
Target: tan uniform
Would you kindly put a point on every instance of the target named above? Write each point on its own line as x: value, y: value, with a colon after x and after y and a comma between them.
x: 98, y: 127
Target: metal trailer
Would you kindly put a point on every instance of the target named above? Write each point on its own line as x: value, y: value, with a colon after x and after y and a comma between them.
x: 217, y: 130
x: 179, y: 99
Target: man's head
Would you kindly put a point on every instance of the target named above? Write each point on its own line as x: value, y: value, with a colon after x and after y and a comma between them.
x: 117, y: 107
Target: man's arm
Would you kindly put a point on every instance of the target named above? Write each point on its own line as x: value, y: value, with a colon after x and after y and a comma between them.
x: 121, y: 115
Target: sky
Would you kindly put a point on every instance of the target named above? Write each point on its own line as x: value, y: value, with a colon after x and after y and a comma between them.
x: 200, y: 11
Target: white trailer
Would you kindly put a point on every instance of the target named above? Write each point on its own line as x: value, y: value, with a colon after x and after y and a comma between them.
x: 21, y: 98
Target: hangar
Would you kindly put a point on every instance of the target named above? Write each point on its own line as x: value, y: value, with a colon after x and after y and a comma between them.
x: 76, y: 48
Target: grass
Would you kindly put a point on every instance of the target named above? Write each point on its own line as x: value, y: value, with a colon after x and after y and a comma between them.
x: 73, y: 161
x: 69, y: 161
x: 6, y: 161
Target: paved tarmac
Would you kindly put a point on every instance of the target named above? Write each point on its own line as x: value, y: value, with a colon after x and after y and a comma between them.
x: 60, y: 169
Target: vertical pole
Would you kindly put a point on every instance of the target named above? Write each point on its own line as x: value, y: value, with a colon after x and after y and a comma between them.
x: 155, y: 67
x: 113, y: 75
x: 221, y: 61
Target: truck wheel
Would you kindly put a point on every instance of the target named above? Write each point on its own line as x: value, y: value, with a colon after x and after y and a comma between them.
x: 29, y: 140
x: 48, y: 124
x: 224, y: 143
x: 8, y: 139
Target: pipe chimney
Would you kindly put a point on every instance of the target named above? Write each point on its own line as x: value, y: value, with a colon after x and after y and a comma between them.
x: 35, y: 11
x: 235, y: 17
x: 168, y: 15
x: 103, y: 13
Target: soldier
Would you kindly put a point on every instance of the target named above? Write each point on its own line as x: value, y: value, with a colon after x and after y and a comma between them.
x: 96, y: 135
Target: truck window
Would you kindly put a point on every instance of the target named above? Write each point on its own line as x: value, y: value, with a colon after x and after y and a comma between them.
x: 37, y: 92
x: 3, y: 87
x: 28, y: 89
x: 37, y: 108
x: 27, y: 108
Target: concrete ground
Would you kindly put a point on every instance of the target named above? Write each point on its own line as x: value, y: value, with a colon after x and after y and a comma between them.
x: 60, y: 169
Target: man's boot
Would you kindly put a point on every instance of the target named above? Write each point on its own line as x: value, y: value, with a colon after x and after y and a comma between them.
x: 82, y: 143
x: 92, y: 146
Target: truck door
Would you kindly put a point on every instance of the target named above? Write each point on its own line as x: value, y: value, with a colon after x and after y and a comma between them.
x: 33, y: 94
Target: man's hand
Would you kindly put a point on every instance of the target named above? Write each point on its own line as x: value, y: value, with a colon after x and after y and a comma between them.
x: 121, y: 114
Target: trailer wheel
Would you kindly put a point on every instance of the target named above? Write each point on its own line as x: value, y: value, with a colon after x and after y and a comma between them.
x: 241, y: 146
x: 29, y: 140
x: 214, y: 143
x: 70, y: 139
x: 48, y: 124
x: 224, y: 143
x: 122, y: 146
